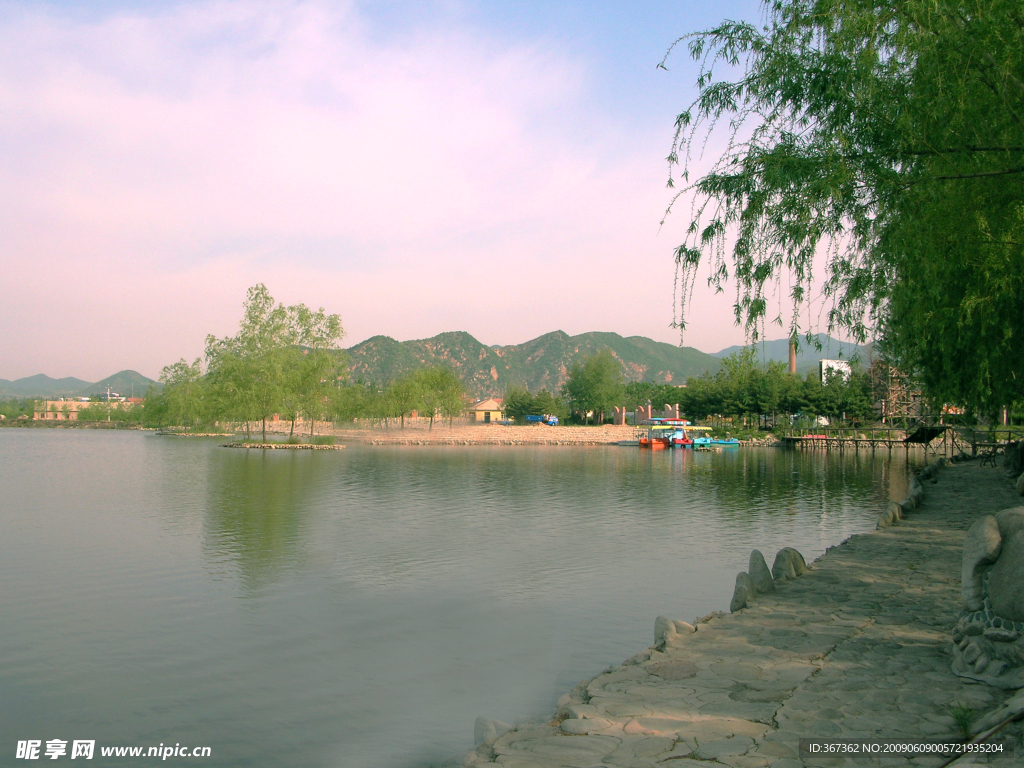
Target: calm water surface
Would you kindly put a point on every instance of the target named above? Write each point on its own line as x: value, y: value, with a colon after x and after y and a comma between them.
x: 362, y: 607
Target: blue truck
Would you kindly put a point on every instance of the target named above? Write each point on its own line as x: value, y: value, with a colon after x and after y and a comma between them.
x: 551, y: 421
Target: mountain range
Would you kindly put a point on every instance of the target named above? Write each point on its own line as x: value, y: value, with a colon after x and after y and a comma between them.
x: 541, y: 363
x: 127, y: 383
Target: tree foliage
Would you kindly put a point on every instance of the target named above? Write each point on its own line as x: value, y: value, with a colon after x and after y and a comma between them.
x: 285, y: 361
x: 441, y: 393
x: 888, y: 138
x: 519, y: 403
x: 595, y: 385
x: 761, y: 392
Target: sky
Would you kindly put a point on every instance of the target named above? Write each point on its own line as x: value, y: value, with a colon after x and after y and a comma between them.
x: 416, y: 167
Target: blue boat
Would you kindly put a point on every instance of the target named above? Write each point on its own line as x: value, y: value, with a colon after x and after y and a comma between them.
x: 707, y: 442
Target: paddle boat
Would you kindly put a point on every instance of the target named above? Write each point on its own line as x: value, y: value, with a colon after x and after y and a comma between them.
x: 663, y: 433
x: 655, y: 435
x: 706, y: 442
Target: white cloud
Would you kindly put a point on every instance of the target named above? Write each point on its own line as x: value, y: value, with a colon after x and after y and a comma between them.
x: 152, y: 167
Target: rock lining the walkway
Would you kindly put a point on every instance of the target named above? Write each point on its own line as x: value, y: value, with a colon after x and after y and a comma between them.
x: 485, y: 730
x: 743, y: 592
x: 758, y: 580
x: 759, y: 573
x: 788, y: 564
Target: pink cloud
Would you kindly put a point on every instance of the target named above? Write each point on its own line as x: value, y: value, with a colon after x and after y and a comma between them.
x: 154, y: 167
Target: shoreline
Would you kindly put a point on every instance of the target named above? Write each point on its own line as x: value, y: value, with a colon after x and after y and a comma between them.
x: 859, y: 646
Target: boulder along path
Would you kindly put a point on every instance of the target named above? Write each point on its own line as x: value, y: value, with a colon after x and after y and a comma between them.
x: 859, y: 646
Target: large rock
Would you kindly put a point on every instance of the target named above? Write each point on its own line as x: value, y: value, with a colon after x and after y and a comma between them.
x: 664, y: 630
x: 981, y: 547
x: 788, y: 564
x: 684, y: 627
x: 759, y: 573
x: 1006, y: 581
x: 485, y: 730
x: 892, y: 515
x: 744, y: 591
x: 1010, y: 521
x: 1020, y: 484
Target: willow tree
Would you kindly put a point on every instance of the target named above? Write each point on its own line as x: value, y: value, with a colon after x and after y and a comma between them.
x: 282, y: 357
x: 182, y: 399
x: 886, y: 140
x: 441, y: 393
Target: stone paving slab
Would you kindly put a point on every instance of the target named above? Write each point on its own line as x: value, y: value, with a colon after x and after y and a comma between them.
x: 857, y: 647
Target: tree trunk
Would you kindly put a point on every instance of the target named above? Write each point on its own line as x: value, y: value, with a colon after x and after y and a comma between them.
x: 291, y: 432
x: 264, y: 429
x: 312, y: 426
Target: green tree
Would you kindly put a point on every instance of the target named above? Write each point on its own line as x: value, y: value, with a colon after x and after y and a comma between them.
x: 595, y: 384
x: 183, y: 393
x: 13, y: 408
x: 283, y: 359
x: 349, y: 402
x: 518, y: 403
x: 546, y: 403
x: 250, y: 367
x: 441, y: 392
x: 888, y: 138
x: 737, y: 382
x: 317, y: 364
x: 314, y: 380
x: 404, y: 395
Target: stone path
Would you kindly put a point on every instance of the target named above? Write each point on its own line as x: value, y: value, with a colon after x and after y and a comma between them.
x: 856, y: 647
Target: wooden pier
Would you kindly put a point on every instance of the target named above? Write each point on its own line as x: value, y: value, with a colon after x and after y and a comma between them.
x: 840, y: 438
x: 938, y: 438
x: 835, y: 439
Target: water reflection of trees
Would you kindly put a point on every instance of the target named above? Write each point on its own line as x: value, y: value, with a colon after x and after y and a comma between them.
x: 769, y: 478
x: 775, y: 481
x: 257, y: 505
x: 391, y: 510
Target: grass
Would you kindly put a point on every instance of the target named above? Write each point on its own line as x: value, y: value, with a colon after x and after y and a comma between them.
x: 322, y: 440
x: 963, y: 716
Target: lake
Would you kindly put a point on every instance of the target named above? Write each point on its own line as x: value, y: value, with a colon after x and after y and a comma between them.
x: 360, y: 608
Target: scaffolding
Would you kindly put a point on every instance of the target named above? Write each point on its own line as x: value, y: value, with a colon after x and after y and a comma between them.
x: 896, y: 395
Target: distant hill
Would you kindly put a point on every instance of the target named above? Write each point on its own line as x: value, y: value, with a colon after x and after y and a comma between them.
x: 807, y: 356
x: 125, y: 383
x: 42, y: 385
x: 541, y: 363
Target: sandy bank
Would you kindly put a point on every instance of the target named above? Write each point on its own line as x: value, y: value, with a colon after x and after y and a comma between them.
x: 857, y: 647
x: 488, y: 434
x: 283, y: 446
